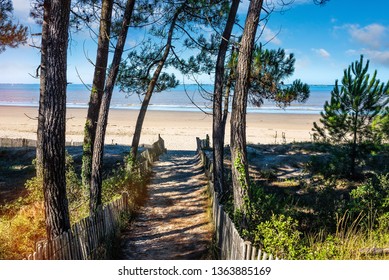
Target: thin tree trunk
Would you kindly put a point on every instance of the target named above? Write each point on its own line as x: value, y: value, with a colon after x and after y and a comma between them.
x: 240, y: 176
x: 218, y: 134
x: 97, y: 159
x: 97, y: 91
x: 226, y: 100
x: 354, y: 144
x: 41, y: 118
x: 150, y: 88
x: 54, y: 113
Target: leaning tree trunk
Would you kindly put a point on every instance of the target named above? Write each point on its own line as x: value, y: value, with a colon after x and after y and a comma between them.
x: 54, y: 114
x: 41, y: 118
x: 240, y: 176
x: 97, y: 91
x: 97, y: 159
x: 218, y: 134
x: 150, y: 89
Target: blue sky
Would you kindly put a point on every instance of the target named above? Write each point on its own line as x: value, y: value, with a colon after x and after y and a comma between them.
x: 325, y: 40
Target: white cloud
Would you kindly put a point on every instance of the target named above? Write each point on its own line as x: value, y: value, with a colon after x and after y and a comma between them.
x: 380, y: 57
x: 373, y: 35
x: 374, y: 39
x: 322, y: 52
x: 269, y: 35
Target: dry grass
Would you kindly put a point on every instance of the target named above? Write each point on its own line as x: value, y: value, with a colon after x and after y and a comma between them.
x: 19, y: 233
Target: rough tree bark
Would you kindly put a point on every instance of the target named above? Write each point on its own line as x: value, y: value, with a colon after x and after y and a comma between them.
x: 97, y: 159
x: 97, y: 90
x: 240, y: 176
x: 42, y: 76
x: 150, y: 88
x: 55, y: 43
x: 218, y: 134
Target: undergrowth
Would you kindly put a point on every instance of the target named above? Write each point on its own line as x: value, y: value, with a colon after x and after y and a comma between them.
x: 328, y: 216
x: 23, y: 221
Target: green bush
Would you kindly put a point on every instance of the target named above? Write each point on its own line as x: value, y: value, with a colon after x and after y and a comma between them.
x: 326, y: 249
x: 335, y: 164
x: 372, y: 198
x: 280, y: 236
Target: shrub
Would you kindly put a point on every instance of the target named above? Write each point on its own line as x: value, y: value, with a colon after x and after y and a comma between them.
x: 372, y: 198
x: 280, y: 236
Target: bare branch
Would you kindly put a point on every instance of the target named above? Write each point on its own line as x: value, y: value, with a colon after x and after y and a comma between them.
x: 79, y: 76
x: 194, y: 103
x: 31, y: 118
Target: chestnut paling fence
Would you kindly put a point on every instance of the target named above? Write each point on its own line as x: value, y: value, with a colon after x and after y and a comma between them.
x: 93, y: 236
x: 231, y: 245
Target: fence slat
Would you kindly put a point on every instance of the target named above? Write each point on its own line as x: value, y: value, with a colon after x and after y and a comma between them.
x: 230, y: 243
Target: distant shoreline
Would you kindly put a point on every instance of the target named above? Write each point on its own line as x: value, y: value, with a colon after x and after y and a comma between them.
x: 178, y: 129
x: 181, y: 98
x: 192, y: 109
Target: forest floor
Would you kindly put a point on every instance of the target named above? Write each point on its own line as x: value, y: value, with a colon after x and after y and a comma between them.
x: 174, y: 222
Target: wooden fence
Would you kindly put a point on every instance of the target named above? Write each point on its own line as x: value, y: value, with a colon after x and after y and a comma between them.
x: 231, y: 245
x: 93, y: 236
x: 23, y: 143
x: 151, y: 154
x: 87, y: 239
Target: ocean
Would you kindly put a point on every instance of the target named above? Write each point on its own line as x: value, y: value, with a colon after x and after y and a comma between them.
x: 181, y: 98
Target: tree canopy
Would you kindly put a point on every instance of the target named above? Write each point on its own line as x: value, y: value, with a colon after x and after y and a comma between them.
x: 11, y: 34
x: 269, y: 70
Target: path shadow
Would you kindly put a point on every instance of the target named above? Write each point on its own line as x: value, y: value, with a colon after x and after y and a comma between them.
x: 173, y: 223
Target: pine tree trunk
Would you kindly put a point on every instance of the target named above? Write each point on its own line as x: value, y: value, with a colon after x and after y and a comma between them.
x: 54, y: 115
x: 97, y: 158
x: 227, y: 93
x: 150, y: 88
x: 97, y: 91
x: 353, y: 156
x: 240, y: 176
x: 41, y: 119
x: 218, y: 126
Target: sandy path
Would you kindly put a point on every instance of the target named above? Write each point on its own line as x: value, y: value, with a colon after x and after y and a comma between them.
x: 173, y: 224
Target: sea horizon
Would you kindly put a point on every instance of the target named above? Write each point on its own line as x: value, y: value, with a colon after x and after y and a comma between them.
x: 183, y: 98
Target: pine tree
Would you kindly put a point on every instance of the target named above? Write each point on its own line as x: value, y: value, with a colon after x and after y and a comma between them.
x: 348, y: 117
x: 143, y: 73
x: 11, y: 34
x: 269, y: 70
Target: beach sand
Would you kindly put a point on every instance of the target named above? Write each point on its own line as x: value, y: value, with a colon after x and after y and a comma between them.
x: 178, y: 129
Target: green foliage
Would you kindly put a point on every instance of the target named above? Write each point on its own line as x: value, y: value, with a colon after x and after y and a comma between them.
x: 337, y: 218
x: 326, y: 249
x: 74, y: 189
x: 372, y: 199
x: 353, y: 111
x: 122, y: 180
x: 335, y: 164
x: 328, y: 203
x: 11, y: 35
x: 258, y: 209
x: 22, y: 223
x: 241, y: 170
x: 135, y: 75
x: 280, y: 236
x: 269, y: 69
x: 380, y: 127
